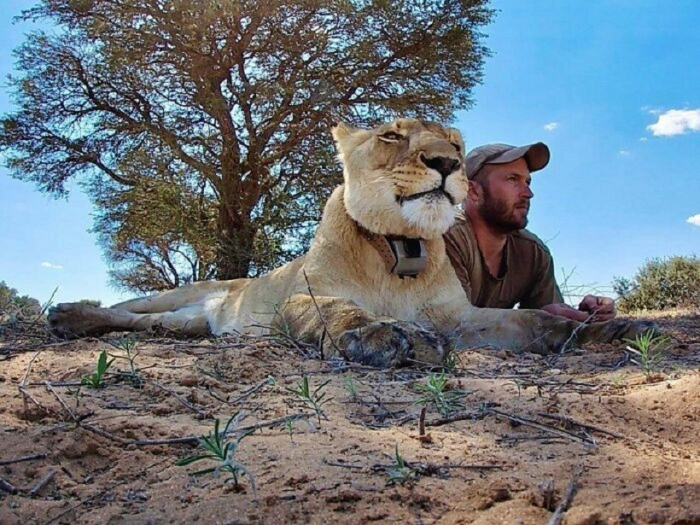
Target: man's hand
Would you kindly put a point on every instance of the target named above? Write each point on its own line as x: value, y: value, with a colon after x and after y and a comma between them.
x: 601, y: 308
x: 591, y: 309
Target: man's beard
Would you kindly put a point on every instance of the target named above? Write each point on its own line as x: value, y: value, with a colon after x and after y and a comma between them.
x: 498, y: 214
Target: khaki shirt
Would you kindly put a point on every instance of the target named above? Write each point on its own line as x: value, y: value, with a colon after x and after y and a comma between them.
x: 527, y: 271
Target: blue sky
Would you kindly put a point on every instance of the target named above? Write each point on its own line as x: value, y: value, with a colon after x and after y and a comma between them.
x: 613, y: 87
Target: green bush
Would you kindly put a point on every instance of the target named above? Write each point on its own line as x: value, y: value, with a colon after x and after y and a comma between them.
x: 16, y: 306
x: 661, y: 284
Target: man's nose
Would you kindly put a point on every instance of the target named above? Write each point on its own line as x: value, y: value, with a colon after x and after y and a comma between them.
x: 527, y: 192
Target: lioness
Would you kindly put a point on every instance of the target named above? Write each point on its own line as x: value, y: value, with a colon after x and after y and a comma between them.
x: 375, y: 285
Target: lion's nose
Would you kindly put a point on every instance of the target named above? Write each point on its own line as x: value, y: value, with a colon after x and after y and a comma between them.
x: 443, y: 165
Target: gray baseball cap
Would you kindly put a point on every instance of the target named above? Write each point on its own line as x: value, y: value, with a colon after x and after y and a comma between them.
x: 536, y: 155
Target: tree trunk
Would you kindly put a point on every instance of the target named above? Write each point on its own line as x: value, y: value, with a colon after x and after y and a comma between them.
x: 235, y: 246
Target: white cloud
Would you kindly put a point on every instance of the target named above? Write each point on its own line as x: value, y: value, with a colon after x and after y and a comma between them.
x: 551, y: 126
x: 51, y: 266
x: 676, y: 122
x: 694, y: 220
x: 624, y: 153
x: 643, y: 139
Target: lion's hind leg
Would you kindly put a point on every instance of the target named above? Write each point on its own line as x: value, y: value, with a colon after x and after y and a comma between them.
x: 171, y: 300
x: 71, y: 320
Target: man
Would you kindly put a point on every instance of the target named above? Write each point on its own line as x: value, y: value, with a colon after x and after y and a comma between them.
x: 499, y: 263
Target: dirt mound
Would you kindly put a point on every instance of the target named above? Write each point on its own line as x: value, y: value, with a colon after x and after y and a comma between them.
x: 502, y: 439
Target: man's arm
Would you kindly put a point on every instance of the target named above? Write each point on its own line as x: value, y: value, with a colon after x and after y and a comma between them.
x: 592, y: 308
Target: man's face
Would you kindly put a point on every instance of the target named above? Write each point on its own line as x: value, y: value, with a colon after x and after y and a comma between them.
x: 505, y: 195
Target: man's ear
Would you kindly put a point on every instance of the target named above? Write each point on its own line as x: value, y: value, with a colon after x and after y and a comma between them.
x: 475, y: 192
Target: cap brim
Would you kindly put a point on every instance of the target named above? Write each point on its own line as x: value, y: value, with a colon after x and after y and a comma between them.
x: 536, y: 155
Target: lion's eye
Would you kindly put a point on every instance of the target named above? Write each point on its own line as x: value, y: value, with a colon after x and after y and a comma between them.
x: 457, y: 147
x: 390, y: 136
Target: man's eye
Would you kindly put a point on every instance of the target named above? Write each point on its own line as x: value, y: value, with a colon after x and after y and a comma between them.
x: 390, y: 136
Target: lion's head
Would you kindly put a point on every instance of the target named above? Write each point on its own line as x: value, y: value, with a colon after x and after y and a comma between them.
x: 403, y: 178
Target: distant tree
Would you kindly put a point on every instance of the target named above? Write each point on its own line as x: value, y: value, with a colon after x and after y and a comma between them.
x: 200, y: 128
x: 661, y: 284
x: 16, y: 306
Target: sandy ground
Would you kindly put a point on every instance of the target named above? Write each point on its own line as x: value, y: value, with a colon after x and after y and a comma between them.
x: 526, y: 433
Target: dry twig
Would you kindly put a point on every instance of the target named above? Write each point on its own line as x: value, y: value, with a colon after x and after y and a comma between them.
x: 42, y: 483
x: 540, y: 426
x: 8, y: 487
x: 250, y: 391
x: 568, y: 421
x: 461, y: 416
x: 325, y: 327
x: 181, y: 399
x: 568, y: 498
x: 22, y: 459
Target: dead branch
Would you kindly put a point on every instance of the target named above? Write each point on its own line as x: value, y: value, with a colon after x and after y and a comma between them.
x: 568, y: 498
x: 325, y: 327
x: 49, y: 387
x: 42, y: 483
x: 461, y: 416
x: 189, y: 440
x: 8, y: 487
x: 540, y: 426
x: 250, y: 391
x: 421, y: 422
x: 420, y: 467
x: 526, y: 437
x: 181, y: 399
x: 568, y: 421
x: 22, y: 459
x: 29, y: 367
x: 26, y: 395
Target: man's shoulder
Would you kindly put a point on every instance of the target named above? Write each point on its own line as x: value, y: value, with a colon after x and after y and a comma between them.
x: 460, y: 222
x: 461, y: 228
x: 528, y: 240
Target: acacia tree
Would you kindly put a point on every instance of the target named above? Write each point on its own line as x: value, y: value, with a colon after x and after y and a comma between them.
x: 200, y: 128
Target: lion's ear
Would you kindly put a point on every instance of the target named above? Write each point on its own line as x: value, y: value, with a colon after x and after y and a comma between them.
x: 342, y: 131
x: 342, y: 134
x: 348, y: 137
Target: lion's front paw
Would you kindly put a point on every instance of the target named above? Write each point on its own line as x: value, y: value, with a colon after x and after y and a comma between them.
x: 72, y: 320
x: 393, y: 343
x: 618, y: 329
x: 634, y: 329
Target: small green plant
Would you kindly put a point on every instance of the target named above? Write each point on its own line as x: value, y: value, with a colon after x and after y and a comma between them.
x: 128, y: 346
x: 519, y: 385
x: 289, y: 427
x: 400, y: 471
x: 618, y: 380
x: 649, y: 350
x: 95, y: 380
x: 351, y: 388
x: 435, y: 392
x: 221, y: 447
x: 450, y: 362
x: 314, y: 399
